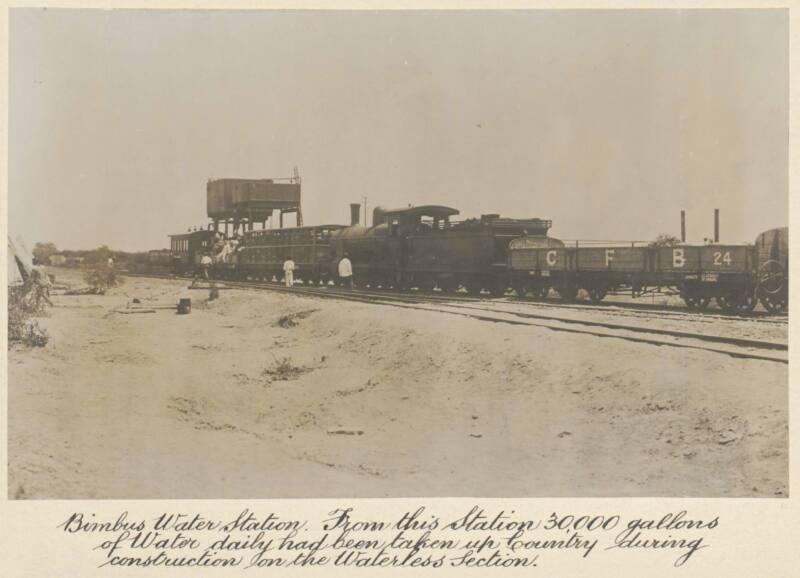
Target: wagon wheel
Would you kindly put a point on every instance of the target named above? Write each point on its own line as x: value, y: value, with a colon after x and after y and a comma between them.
x: 568, y: 293
x: 543, y: 292
x: 521, y: 289
x: 697, y: 302
x: 597, y: 294
x: 772, y: 287
x: 774, y: 304
x: 741, y: 302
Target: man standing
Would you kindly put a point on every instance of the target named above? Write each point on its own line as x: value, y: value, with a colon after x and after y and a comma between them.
x: 205, y: 264
x: 346, y: 271
x: 288, y: 271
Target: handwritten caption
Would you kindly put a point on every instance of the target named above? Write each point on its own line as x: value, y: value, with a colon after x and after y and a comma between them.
x: 477, y: 538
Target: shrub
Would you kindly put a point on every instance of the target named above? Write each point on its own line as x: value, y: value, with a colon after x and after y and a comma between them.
x: 284, y: 370
x: 21, y: 328
x: 100, y: 280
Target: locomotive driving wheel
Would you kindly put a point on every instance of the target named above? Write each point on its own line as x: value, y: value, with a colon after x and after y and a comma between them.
x: 772, y: 287
x: 474, y: 287
x: 426, y: 284
x: 497, y: 287
x: 448, y: 285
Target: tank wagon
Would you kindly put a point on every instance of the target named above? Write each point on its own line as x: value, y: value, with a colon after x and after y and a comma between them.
x: 422, y: 247
x: 736, y: 276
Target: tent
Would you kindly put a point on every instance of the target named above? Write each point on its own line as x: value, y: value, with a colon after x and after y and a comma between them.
x: 20, y: 263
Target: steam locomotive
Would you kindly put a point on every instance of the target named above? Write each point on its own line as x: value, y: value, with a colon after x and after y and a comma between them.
x: 424, y: 247
x: 412, y: 247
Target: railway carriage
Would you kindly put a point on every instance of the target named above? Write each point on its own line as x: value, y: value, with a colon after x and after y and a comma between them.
x: 736, y: 276
x: 262, y: 253
x: 187, y: 249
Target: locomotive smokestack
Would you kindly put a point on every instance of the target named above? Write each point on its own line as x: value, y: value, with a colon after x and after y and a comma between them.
x: 716, y: 225
x: 683, y: 226
x: 355, y: 213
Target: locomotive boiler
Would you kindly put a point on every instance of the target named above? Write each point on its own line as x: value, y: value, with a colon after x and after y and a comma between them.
x: 423, y: 247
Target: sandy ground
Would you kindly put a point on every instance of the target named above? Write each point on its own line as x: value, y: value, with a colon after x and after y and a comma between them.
x: 360, y: 400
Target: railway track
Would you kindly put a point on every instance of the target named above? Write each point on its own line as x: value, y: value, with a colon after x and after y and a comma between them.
x: 744, y: 348
x: 634, y: 309
x: 481, y: 309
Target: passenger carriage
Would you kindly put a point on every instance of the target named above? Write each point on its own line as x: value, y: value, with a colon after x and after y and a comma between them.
x: 262, y: 253
x: 187, y: 249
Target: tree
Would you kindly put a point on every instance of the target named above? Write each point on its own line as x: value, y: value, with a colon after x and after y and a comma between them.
x: 100, y: 255
x: 666, y: 240
x: 43, y: 251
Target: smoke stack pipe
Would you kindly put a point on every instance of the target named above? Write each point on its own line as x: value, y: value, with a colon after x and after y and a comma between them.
x: 355, y: 213
x: 683, y: 226
x: 716, y: 225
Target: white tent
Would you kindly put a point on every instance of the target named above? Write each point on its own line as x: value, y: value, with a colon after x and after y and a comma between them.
x: 20, y: 263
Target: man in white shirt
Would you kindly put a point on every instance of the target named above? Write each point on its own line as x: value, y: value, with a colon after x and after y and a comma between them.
x: 206, y: 263
x: 346, y: 271
x: 201, y: 269
x: 288, y: 271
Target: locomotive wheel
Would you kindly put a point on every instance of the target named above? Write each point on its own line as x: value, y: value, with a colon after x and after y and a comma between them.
x: 497, y: 288
x: 426, y: 285
x: 448, y: 285
x: 474, y: 288
x: 597, y: 294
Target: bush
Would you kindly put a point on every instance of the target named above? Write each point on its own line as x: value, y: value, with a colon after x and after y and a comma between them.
x: 21, y: 328
x: 102, y: 279
x: 284, y: 370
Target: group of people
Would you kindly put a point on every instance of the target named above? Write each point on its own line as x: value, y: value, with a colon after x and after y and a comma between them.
x: 220, y: 252
x: 224, y: 248
x: 345, y: 271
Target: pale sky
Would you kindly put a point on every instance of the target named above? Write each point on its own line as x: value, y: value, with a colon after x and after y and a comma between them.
x: 607, y: 122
